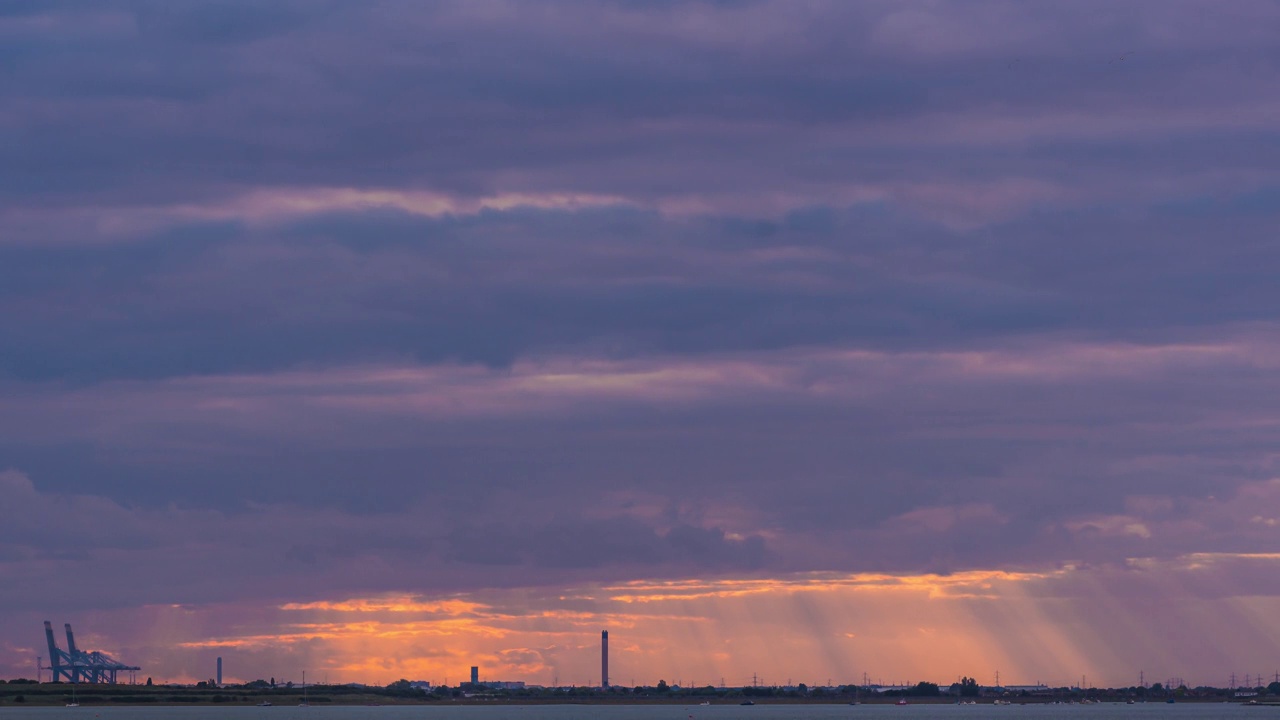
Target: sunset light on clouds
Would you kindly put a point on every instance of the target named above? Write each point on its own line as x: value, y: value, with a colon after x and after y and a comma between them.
x: 792, y: 340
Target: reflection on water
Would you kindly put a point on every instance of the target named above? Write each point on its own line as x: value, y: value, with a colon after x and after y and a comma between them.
x: 1150, y: 711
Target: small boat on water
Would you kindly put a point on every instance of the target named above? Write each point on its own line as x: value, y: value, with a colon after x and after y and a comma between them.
x: 747, y: 702
x: 901, y: 701
x: 264, y: 703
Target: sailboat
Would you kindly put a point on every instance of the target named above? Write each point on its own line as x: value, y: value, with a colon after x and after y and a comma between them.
x: 304, y: 690
x: 73, y: 702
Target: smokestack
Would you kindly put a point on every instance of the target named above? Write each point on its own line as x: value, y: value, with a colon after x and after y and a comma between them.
x: 604, y: 659
x: 219, y: 672
x: 475, y: 674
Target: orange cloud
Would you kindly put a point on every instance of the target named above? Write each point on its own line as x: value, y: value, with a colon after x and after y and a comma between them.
x: 397, y: 604
x: 1051, y: 625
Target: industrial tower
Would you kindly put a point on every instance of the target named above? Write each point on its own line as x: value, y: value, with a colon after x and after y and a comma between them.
x: 604, y: 659
x: 76, y: 666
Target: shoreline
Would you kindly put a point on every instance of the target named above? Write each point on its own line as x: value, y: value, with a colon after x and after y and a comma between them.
x: 18, y: 695
x: 635, y: 702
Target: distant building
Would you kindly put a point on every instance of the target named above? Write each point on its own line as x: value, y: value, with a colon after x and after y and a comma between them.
x: 504, y: 684
x: 475, y: 674
x: 889, y: 688
x: 1022, y: 688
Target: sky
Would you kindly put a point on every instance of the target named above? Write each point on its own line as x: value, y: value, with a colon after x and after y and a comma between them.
x: 809, y: 340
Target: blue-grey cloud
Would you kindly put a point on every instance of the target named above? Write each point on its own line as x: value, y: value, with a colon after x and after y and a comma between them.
x: 688, y: 288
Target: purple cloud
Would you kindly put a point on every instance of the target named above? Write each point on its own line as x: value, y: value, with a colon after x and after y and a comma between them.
x: 303, y: 303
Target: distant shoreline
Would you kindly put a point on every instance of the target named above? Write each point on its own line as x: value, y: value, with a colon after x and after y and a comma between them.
x: 21, y: 694
x: 50, y: 701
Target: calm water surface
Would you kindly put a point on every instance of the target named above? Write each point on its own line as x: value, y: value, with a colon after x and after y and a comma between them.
x: 1148, y: 711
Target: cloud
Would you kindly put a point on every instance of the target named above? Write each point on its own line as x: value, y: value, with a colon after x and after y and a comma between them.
x: 332, y: 309
x: 683, y: 106
x: 788, y: 460
x: 620, y: 540
x: 358, y: 287
x: 177, y: 555
x: 273, y: 206
x: 699, y: 630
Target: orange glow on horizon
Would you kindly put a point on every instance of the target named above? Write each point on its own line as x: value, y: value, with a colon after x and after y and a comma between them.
x: 1036, y: 626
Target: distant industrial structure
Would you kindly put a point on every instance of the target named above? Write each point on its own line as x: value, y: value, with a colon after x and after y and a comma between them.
x: 604, y: 659
x: 503, y: 684
x: 476, y: 684
x: 219, y: 672
x: 76, y: 666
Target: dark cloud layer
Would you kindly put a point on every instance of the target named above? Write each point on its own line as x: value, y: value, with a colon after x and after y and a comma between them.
x: 439, y: 297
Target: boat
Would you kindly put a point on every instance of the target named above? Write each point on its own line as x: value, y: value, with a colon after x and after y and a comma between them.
x: 264, y: 703
x: 304, y: 690
x: 705, y: 702
x: 73, y: 702
x: 747, y: 702
x: 901, y: 701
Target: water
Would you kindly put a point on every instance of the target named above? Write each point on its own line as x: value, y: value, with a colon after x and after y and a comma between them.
x: 1148, y: 711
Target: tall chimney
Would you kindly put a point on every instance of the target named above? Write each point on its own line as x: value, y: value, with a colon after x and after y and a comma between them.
x: 219, y: 672
x: 604, y: 659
